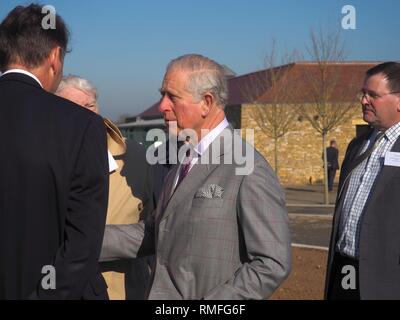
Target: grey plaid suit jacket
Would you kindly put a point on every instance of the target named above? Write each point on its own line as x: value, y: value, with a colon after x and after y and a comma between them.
x: 217, y: 236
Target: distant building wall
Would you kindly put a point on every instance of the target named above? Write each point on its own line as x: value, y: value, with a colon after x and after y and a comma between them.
x: 138, y: 130
x: 300, y: 150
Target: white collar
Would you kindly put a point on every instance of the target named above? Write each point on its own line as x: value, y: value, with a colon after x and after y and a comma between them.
x: 204, y: 143
x: 210, y: 137
x: 23, y: 72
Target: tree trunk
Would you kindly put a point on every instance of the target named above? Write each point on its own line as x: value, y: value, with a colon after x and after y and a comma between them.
x: 326, y: 191
x: 276, y: 156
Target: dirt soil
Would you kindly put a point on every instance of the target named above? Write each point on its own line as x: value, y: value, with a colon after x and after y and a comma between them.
x: 307, y: 279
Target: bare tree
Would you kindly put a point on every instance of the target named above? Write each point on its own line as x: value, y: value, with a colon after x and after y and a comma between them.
x: 328, y: 107
x: 275, y: 117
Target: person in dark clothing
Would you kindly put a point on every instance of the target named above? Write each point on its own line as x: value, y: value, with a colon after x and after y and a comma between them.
x: 332, y: 156
x: 54, y: 182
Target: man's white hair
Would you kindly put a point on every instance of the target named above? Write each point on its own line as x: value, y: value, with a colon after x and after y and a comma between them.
x: 204, y: 75
x: 79, y: 83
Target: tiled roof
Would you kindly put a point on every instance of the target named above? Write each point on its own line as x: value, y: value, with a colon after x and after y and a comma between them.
x: 151, y: 112
x: 296, y: 78
x: 303, y: 83
x: 248, y: 87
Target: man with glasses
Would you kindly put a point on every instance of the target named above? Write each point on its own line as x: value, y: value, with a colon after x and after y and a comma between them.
x: 364, y: 255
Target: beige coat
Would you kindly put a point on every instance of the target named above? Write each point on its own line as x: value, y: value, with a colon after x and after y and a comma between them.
x: 123, y: 206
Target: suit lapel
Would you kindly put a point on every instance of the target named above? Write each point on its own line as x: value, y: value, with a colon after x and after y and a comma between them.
x: 168, y: 186
x: 345, y: 179
x: 196, y: 176
x: 353, y: 155
x: 192, y: 182
x: 347, y: 167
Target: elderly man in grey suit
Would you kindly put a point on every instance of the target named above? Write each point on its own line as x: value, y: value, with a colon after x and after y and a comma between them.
x: 218, y: 232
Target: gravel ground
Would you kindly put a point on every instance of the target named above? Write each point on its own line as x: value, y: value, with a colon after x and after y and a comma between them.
x: 307, y: 279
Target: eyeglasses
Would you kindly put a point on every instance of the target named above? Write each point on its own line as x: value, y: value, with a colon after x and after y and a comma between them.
x: 373, y: 96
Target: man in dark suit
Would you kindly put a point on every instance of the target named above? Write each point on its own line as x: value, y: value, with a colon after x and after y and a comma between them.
x: 332, y: 156
x: 364, y: 255
x: 54, y: 177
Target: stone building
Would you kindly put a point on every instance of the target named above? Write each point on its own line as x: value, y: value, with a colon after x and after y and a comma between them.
x: 300, y: 150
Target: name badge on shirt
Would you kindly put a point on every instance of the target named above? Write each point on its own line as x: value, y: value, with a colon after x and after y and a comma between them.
x: 392, y: 159
x: 112, y: 164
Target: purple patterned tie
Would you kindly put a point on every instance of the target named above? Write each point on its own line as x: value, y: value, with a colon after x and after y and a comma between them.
x: 184, y: 170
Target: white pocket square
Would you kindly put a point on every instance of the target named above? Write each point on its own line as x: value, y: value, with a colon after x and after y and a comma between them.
x: 213, y: 191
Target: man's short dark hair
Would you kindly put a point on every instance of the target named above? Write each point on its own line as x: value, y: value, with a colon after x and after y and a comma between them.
x: 391, y: 71
x: 23, y: 40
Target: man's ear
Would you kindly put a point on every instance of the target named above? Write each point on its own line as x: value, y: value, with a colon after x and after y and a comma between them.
x: 56, y: 60
x: 398, y: 102
x: 54, y: 69
x: 208, y: 103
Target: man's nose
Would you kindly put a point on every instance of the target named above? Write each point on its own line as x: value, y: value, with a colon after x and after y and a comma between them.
x: 365, y: 99
x: 164, y: 104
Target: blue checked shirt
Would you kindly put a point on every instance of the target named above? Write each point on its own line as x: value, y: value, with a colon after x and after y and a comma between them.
x: 361, y: 181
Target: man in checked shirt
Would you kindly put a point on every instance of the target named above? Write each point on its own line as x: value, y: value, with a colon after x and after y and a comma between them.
x: 364, y: 253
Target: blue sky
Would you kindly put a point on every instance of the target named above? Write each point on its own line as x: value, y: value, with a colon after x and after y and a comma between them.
x: 123, y: 46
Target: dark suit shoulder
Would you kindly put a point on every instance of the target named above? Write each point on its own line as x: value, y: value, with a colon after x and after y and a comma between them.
x: 360, y: 139
x: 351, y: 153
x: 71, y: 111
x: 25, y: 96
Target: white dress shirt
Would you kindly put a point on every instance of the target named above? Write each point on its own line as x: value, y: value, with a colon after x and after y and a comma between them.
x: 203, y: 145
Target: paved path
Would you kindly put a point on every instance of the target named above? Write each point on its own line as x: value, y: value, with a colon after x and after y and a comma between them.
x: 311, y: 230
x: 310, y: 218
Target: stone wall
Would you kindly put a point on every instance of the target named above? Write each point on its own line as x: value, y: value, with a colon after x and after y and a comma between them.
x: 300, y: 150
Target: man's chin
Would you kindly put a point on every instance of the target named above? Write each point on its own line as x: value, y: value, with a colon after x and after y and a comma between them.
x: 368, y: 118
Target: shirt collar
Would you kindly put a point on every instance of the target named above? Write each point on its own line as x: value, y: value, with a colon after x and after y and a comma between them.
x: 393, y: 132
x: 27, y: 73
x: 205, y: 142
